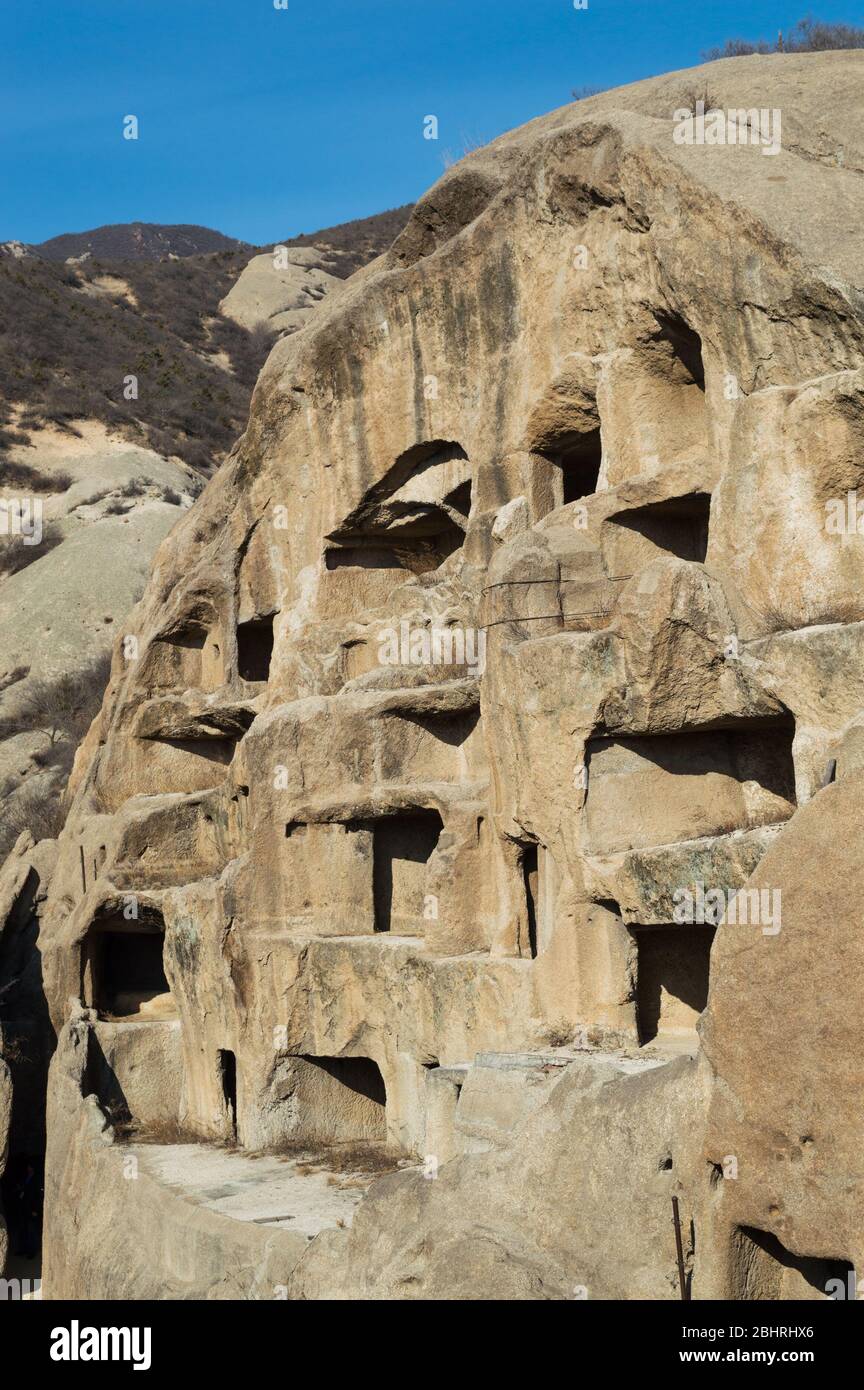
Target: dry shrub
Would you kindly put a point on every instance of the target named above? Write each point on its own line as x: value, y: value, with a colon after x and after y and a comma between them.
x: 16, y: 556
x: 62, y: 709
x: 807, y: 36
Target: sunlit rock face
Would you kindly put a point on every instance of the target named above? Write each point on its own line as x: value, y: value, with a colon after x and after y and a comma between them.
x: 509, y: 645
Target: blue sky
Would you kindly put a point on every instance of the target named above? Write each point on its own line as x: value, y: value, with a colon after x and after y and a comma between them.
x: 265, y: 123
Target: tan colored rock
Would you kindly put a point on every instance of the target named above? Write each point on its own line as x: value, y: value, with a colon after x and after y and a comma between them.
x: 502, y: 653
x: 277, y: 295
x: 786, y: 1049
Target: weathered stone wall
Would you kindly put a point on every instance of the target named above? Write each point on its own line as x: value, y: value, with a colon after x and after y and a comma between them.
x: 512, y: 624
x: 129, y: 1236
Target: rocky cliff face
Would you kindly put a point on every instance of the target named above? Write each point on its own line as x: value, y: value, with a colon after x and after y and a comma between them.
x: 509, y: 646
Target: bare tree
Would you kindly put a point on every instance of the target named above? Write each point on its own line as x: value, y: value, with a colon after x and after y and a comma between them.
x: 807, y: 36
x: 63, y: 707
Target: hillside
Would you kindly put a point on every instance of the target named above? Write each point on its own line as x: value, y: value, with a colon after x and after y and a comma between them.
x: 70, y: 335
x: 359, y: 241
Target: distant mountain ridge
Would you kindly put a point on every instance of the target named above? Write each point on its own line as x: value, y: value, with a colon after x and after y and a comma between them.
x: 365, y: 237
x: 137, y: 241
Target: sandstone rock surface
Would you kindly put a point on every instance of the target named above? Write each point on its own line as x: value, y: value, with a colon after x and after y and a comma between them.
x: 280, y: 296
x: 509, y: 643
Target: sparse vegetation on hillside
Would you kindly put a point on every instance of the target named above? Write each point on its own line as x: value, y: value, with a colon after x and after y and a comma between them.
x: 35, y: 808
x: 71, y: 334
x: 65, y: 352
x: 28, y: 479
x: 807, y: 36
x: 15, y: 555
x: 583, y: 93
x: 359, y: 241
x: 62, y: 709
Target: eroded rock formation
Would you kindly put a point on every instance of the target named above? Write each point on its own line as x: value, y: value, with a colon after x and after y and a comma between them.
x: 511, y: 628
x: 280, y: 288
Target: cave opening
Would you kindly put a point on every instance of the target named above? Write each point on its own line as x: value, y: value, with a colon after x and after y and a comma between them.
x: 403, y: 844
x: 123, y: 966
x: 414, y: 519
x: 678, y: 526
x: 577, y: 456
x: 228, y: 1082
x: 671, y: 981
x: 530, y: 879
x: 255, y: 649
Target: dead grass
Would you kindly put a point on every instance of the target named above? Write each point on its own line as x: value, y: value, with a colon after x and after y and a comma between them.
x: 584, y: 92
x: 127, y: 1129
x: 773, y: 618
x: 348, y: 1159
x: 63, y: 708
x: 37, y: 809
x: 693, y: 95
